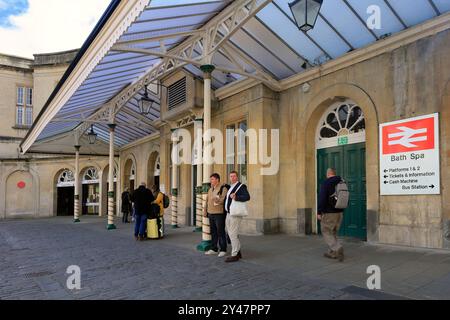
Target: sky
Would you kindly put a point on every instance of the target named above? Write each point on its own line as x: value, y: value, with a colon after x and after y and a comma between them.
x: 43, y: 26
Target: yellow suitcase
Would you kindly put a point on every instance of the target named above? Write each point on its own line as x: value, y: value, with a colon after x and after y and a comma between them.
x: 153, y: 231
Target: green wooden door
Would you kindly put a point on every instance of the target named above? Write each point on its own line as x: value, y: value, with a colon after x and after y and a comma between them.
x: 350, y: 163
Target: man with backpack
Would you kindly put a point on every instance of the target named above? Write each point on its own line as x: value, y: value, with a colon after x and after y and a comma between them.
x: 333, y: 199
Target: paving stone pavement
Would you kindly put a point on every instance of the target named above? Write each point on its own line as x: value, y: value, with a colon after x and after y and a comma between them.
x: 36, y: 254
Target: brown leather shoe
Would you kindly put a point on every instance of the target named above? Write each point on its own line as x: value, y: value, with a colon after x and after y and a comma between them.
x: 232, y: 259
x: 329, y: 256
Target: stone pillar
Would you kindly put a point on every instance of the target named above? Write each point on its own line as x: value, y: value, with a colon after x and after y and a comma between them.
x: 205, y: 245
x: 174, y: 190
x: 198, y: 128
x: 111, y: 197
x: 76, y: 211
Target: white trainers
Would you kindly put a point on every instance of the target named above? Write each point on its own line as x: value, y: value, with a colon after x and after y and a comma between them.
x: 210, y: 253
x: 222, y: 254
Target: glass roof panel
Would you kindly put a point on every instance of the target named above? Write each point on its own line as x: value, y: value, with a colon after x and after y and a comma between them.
x: 261, y: 55
x: 271, y: 40
x: 413, y: 14
x: 288, y: 31
x: 443, y: 5
x: 328, y: 39
x: 155, y: 13
x: 168, y: 23
x: 389, y: 23
x: 183, y: 3
x: 346, y: 23
x: 124, y: 67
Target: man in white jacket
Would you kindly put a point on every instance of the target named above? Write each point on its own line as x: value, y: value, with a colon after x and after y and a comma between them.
x: 237, y: 192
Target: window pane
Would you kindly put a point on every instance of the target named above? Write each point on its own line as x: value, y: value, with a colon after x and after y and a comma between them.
x: 19, y: 116
x: 29, y: 116
x: 230, y: 149
x: 242, y: 151
x: 29, y: 97
x: 20, y: 92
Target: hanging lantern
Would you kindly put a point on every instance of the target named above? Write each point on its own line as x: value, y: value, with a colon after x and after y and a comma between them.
x: 146, y: 103
x: 305, y: 13
x: 92, y: 136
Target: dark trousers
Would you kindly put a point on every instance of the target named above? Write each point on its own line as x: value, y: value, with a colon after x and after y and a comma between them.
x: 125, y: 217
x: 218, y: 235
x: 141, y: 225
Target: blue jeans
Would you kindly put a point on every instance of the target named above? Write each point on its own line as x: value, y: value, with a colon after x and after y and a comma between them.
x: 141, y: 225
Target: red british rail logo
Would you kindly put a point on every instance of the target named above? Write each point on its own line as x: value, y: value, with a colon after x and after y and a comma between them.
x: 408, y: 136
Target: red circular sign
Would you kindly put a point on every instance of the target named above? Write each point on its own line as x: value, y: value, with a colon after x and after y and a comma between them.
x: 21, y: 185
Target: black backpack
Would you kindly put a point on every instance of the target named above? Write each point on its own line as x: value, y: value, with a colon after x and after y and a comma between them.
x: 166, y: 201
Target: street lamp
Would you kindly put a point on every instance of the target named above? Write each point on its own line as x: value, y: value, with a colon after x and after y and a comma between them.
x: 146, y: 103
x: 305, y: 13
x: 92, y: 136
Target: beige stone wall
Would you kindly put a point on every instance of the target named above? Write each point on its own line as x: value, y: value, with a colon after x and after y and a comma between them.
x: 38, y: 198
x: 407, y: 82
x: 45, y: 79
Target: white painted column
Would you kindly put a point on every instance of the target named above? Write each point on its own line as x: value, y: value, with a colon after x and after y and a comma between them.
x: 111, y: 197
x: 76, y: 211
x: 174, y: 191
x: 207, y: 166
x: 198, y: 128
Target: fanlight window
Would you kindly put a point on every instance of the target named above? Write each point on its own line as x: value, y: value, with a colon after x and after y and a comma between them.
x: 344, y: 123
x: 66, y: 179
x: 91, y: 176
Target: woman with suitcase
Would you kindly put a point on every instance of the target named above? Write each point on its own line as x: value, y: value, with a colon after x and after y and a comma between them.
x: 156, y: 222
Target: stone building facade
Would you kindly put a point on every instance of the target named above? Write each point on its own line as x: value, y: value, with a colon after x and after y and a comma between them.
x: 28, y: 183
x: 343, y: 100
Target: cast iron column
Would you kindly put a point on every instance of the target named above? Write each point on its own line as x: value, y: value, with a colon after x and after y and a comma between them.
x: 111, y: 197
x: 205, y: 245
x: 76, y: 211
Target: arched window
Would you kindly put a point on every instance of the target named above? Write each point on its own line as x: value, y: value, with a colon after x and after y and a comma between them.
x: 342, y: 124
x: 91, y: 176
x: 66, y: 179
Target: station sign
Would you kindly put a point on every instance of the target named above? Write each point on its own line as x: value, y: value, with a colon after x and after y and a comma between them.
x: 409, y: 156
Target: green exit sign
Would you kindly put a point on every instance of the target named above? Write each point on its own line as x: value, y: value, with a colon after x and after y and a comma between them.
x: 342, y: 141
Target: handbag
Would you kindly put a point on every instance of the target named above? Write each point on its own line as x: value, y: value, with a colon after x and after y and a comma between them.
x: 237, y: 208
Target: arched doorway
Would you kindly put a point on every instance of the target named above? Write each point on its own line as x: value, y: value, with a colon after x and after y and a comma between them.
x: 341, y: 144
x: 154, y: 169
x: 130, y: 175
x: 65, y: 190
x: 91, y: 191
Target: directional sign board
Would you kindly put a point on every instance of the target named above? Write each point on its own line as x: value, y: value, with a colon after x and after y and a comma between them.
x: 409, y: 156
